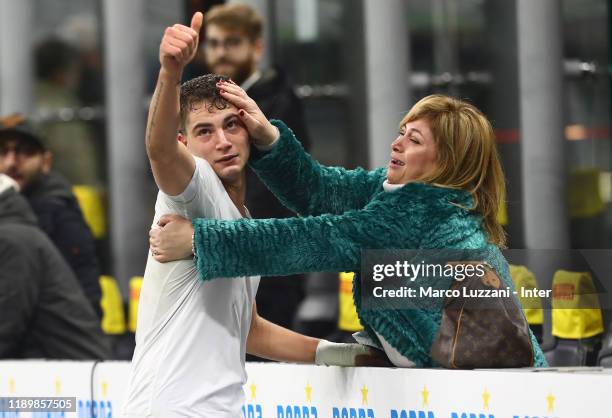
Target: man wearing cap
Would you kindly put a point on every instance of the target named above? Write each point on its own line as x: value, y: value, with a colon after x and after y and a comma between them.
x: 25, y: 158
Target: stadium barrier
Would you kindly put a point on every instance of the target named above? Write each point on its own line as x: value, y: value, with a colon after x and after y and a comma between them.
x: 299, y: 391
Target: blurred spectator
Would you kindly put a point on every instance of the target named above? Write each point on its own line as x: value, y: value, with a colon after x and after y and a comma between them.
x: 44, y: 312
x: 69, y: 139
x: 81, y: 31
x: 24, y: 157
x: 233, y: 47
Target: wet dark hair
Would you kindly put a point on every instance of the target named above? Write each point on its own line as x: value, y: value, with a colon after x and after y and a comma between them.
x: 199, y: 90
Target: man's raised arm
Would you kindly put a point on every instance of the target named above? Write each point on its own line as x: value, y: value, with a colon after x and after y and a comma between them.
x: 172, y: 164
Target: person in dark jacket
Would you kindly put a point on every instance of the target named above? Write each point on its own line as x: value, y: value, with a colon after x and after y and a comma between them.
x: 233, y: 47
x: 24, y: 157
x: 44, y: 311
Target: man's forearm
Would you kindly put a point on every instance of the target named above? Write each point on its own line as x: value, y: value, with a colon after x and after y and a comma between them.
x: 274, y: 342
x: 171, y: 163
x: 163, y: 119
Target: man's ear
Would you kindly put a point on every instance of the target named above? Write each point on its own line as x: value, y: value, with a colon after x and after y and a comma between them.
x: 181, y: 138
x: 47, y: 162
x: 258, y: 49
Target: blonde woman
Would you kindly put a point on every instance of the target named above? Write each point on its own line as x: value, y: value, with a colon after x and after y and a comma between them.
x: 440, y: 190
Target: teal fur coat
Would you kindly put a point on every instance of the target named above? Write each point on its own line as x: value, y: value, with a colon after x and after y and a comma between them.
x: 342, y: 212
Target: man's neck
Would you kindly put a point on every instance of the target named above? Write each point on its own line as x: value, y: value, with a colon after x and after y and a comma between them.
x: 237, y: 192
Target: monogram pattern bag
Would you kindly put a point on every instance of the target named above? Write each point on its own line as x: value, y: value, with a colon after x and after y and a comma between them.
x: 482, y: 332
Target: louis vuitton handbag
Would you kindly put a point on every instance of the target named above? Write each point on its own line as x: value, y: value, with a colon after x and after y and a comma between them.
x: 485, y: 329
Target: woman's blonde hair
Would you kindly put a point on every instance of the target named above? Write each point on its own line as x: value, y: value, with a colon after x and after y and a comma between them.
x: 467, y: 157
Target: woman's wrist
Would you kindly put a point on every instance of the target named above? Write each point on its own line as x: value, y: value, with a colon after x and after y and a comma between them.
x: 266, y: 141
x: 267, y: 146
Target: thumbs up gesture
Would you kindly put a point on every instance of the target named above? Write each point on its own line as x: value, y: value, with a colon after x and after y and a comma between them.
x: 179, y: 45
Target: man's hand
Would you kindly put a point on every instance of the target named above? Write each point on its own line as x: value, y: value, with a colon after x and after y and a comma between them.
x: 179, y: 45
x: 261, y: 131
x: 171, y: 240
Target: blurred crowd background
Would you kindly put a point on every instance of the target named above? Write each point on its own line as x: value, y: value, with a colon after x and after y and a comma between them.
x: 82, y: 73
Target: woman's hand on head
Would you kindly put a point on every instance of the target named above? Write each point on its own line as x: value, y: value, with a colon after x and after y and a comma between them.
x: 261, y: 131
x: 171, y: 239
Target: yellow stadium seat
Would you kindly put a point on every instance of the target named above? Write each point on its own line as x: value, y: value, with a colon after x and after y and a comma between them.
x: 113, y: 315
x: 584, y: 193
x: 93, y: 208
x: 347, y: 318
x: 135, y: 285
x: 576, y: 311
x: 522, y: 277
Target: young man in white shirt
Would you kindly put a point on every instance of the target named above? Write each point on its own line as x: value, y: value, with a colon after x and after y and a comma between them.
x: 192, y: 336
